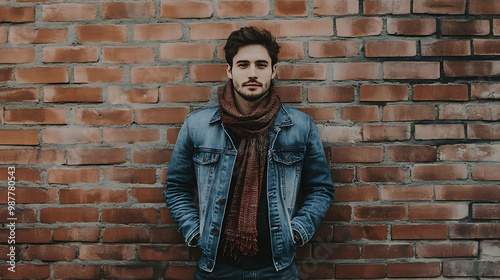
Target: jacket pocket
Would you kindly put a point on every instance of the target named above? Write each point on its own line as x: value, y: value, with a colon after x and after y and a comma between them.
x: 288, y: 164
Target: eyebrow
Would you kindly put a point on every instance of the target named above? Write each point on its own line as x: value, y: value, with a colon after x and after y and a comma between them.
x: 247, y: 61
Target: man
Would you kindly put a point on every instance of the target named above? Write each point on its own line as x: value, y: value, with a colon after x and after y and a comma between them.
x: 248, y: 155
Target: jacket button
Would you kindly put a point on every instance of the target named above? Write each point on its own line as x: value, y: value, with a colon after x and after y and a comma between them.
x: 221, y: 200
x: 204, y: 158
x: 288, y: 158
x: 230, y: 147
x: 215, y: 231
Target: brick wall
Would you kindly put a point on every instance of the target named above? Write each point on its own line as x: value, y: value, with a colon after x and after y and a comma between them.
x: 405, y: 94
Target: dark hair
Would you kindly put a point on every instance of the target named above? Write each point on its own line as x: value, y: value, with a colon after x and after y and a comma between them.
x: 251, y: 36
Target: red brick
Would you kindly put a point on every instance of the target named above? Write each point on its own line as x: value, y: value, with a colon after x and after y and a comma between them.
x: 125, y: 234
x: 486, y: 47
x: 470, y: 112
x: 186, y: 51
x: 186, y: 9
x: 290, y: 50
x: 48, y: 253
x: 445, y: 47
x: 69, y: 12
x: 156, y: 74
x: 338, y: 48
x: 336, y: 251
x: 163, y: 252
x: 441, y: 92
x: 81, y: 156
x: 184, y: 93
x: 70, y: 54
x: 66, y: 271
x: 412, y: 153
x: 81, y: 234
x: 485, y: 91
x: 390, y: 48
x: 320, y: 114
x: 483, y: 172
x: 243, y: 8
x: 439, y: 131
x: 17, y: 14
x: 42, y: 75
x: 378, y: 7
x: 470, y: 152
x: 207, y: 72
x: 338, y: 214
x: 130, y: 175
x: 6, y: 75
x: 396, y: 113
x: 447, y: 250
x: 336, y: 7
x: 32, y: 156
x: 17, y: 55
x: 115, y: 10
x: 71, y: 135
x: 166, y: 115
x: 172, y: 134
x: 358, y: 27
x: 387, y: 251
x: 32, y: 195
x: 97, y: 74
x: 358, y: 271
x: 284, y: 8
x: 148, y: 195
x: 289, y: 94
x: 3, y: 35
x: 128, y: 271
x: 72, y: 94
x: 356, y: 71
x: 496, y: 26
x: 411, y: 26
x: 381, y: 174
x: 380, y: 213
x: 23, y: 174
x: 419, y: 231
x: 383, y: 133
x: 126, y: 216
x: 27, y: 137
x: 356, y: 193
x: 159, y: 31
x: 474, y: 231
x: 323, y: 233
x: 141, y: 95
x: 340, y: 133
x: 128, y: 54
x: 71, y: 176
x: 484, y: 7
x: 411, y: 70
x: 464, y: 27
x: 359, y: 232
x: 383, y: 92
x: 296, y: 28
x: 35, y: 116
x: 471, y: 268
x: 154, y: 156
x: 439, y: 7
x: 485, y: 211
x: 92, y: 196
x: 365, y: 113
x: 429, y: 269
x: 102, y: 33
x: 179, y: 272
x: 136, y: 136
x: 422, y: 172
x: 311, y: 71
x: 106, y: 252
x: 446, y: 211
x: 471, y: 68
x: 335, y: 94
x: 467, y: 192
x: 26, y: 271
x: 407, y: 193
x: 28, y: 235
x: 212, y: 30
x: 103, y: 116
x: 69, y: 215
x: 165, y: 217
x: 31, y: 35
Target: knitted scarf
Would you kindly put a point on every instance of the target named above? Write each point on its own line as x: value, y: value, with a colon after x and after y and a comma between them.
x: 240, y: 235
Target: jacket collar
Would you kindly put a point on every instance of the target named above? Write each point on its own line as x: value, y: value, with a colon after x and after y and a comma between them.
x: 282, y: 117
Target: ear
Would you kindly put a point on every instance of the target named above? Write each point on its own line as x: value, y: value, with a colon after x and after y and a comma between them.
x: 274, y: 71
x: 228, y: 71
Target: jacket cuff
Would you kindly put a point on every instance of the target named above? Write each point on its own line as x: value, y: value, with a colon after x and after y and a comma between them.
x: 193, y: 237
x: 296, y: 227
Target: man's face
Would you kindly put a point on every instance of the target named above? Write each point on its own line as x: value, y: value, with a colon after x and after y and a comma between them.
x: 251, y: 72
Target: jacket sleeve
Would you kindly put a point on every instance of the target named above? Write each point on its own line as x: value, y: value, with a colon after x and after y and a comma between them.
x: 317, y: 185
x: 181, y: 183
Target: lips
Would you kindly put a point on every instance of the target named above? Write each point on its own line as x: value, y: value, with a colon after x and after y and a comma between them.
x: 252, y: 85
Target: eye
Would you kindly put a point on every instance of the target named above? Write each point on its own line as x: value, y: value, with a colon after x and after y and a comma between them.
x: 262, y: 65
x: 242, y: 65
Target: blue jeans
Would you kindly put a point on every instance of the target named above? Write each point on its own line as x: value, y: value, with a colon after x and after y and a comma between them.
x: 224, y: 271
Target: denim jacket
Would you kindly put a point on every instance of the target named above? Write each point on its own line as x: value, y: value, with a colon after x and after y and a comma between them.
x: 204, y: 157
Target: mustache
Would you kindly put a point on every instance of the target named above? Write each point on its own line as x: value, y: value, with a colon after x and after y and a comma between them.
x: 252, y: 82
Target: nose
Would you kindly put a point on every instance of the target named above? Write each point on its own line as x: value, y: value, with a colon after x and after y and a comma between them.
x: 252, y: 73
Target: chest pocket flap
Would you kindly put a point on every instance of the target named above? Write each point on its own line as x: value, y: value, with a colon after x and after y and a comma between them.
x: 288, y: 158
x: 205, y: 158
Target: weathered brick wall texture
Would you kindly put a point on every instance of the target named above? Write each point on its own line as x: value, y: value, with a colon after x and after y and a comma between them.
x: 405, y: 94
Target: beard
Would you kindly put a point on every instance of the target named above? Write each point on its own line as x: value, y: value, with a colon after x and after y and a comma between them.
x: 252, y: 97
